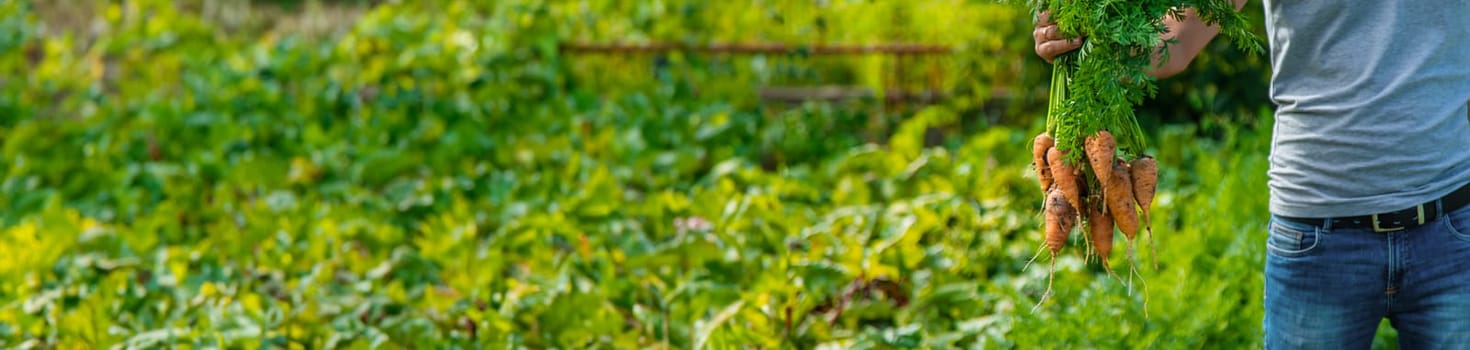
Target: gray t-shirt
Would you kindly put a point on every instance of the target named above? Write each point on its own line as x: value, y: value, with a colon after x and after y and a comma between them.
x: 1371, y: 104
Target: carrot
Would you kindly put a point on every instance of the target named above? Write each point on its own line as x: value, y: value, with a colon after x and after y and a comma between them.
x: 1060, y: 220
x: 1065, y: 176
x: 1145, y: 173
x: 1039, y: 147
x: 1100, y: 226
x: 1119, y: 196
x: 1100, y: 150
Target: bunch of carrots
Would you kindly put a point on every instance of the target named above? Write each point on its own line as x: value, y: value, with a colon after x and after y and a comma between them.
x: 1090, y: 121
x: 1127, y: 190
x: 1098, y: 190
x: 1122, y: 192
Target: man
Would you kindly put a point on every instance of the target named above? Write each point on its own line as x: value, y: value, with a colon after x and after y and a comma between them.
x: 1369, y: 165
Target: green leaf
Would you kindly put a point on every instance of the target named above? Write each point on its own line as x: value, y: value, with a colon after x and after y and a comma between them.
x: 706, y: 328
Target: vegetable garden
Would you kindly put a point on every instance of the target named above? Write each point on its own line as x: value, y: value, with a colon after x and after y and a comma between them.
x: 443, y: 174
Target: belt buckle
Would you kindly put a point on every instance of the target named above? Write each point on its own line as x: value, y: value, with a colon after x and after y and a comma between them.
x: 1380, y: 229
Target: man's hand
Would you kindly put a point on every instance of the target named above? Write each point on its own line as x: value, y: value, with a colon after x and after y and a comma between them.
x: 1049, y: 40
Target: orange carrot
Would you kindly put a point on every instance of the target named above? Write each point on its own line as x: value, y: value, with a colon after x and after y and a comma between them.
x: 1039, y: 147
x: 1060, y: 219
x: 1119, y: 196
x: 1065, y: 176
x: 1145, y: 173
x: 1100, y: 226
x: 1100, y: 151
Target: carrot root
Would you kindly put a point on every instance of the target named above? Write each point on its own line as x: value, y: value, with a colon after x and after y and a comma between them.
x: 1039, y: 147
x: 1119, y: 195
x: 1065, y: 176
x: 1145, y: 175
x: 1100, y: 228
x: 1100, y: 149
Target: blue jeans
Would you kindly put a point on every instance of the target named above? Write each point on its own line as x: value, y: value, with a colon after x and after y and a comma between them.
x: 1328, y: 288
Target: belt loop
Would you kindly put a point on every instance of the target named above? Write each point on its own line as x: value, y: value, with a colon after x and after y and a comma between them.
x: 1438, y: 209
x: 1327, y: 225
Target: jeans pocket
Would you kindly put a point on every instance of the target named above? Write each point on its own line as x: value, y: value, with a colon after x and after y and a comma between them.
x: 1291, y: 240
x: 1458, y: 223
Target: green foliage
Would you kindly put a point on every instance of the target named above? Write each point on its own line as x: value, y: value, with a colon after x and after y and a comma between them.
x: 1102, y: 82
x: 442, y: 177
x: 15, y: 26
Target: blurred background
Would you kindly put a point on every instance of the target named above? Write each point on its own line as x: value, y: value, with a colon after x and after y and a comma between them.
x: 589, y: 174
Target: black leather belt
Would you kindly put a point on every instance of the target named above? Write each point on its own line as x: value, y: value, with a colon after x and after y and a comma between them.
x: 1399, y: 219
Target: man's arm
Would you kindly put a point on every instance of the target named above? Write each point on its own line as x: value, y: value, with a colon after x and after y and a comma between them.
x: 1191, y: 35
